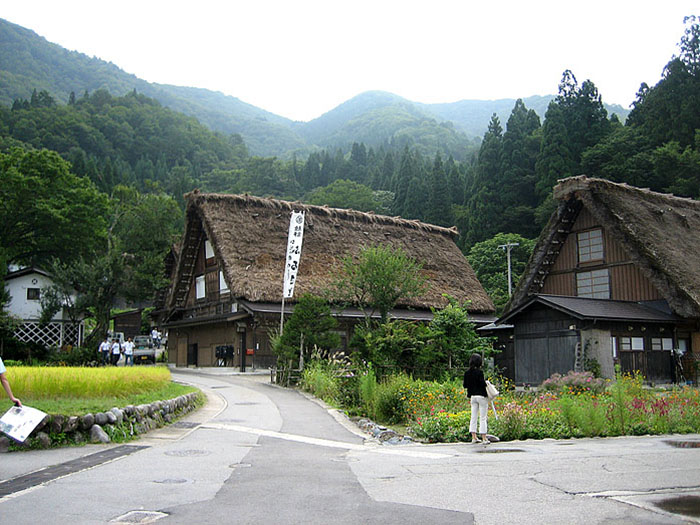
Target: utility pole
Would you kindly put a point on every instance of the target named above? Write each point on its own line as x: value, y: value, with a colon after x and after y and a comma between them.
x: 507, y: 248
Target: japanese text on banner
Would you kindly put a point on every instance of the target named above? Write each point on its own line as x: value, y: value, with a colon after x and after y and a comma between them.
x: 291, y: 265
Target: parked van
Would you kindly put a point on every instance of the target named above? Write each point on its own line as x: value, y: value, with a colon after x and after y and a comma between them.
x: 119, y: 336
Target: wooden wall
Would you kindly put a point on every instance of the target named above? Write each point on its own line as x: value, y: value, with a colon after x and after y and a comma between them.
x: 627, y: 283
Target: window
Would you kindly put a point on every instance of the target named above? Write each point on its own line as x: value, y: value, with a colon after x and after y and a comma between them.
x: 595, y: 284
x: 590, y: 246
x: 630, y: 344
x: 200, y: 287
x: 662, y: 343
x: 208, y: 250
x: 33, y: 294
x: 223, y: 287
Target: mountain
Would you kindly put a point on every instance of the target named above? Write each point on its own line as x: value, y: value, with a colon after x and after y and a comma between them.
x: 29, y: 62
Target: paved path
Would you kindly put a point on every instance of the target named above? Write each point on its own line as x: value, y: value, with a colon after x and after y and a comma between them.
x: 261, y: 454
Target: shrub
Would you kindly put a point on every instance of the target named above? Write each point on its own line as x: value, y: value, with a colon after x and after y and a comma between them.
x: 390, y: 398
x: 442, y: 426
x: 73, y: 356
x: 574, y: 382
x: 510, y: 424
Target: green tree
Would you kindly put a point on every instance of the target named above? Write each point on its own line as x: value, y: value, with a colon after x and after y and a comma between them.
x: 521, y: 145
x: 8, y: 322
x: 575, y: 121
x: 452, y: 340
x: 407, y: 170
x: 345, y: 194
x: 45, y: 210
x: 439, y: 209
x: 377, y: 279
x: 669, y: 110
x: 129, y: 266
x: 311, y: 326
x: 391, y: 346
x: 489, y: 262
x: 484, y: 207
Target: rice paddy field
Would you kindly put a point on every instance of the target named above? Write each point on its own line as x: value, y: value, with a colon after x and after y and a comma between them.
x: 79, y: 390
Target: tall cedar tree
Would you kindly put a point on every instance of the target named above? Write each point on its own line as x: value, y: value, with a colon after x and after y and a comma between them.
x: 484, y: 205
x: 439, y: 201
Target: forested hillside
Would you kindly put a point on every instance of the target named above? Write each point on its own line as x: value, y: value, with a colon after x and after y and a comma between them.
x: 28, y: 62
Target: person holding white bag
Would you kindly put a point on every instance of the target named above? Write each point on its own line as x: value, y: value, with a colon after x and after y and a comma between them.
x: 475, y: 383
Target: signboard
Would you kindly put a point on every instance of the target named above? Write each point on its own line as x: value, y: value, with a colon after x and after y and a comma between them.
x: 18, y: 422
x: 294, y: 239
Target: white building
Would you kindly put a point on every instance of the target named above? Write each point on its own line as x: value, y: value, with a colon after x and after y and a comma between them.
x: 24, y: 286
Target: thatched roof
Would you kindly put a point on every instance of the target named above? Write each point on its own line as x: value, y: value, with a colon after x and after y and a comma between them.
x: 249, y: 237
x: 660, y: 232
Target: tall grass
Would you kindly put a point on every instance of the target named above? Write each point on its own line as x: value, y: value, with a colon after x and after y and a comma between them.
x: 320, y: 379
x: 81, y: 382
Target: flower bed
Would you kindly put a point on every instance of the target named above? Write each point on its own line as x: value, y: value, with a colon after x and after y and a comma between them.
x: 624, y: 408
x: 573, y: 405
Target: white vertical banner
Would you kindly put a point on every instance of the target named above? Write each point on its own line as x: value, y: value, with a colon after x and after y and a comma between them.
x: 291, y: 266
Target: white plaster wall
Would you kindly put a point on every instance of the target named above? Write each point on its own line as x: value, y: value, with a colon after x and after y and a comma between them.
x: 19, y: 305
x: 599, y: 348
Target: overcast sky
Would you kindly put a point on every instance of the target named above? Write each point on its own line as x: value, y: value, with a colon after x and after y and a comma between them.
x: 301, y: 58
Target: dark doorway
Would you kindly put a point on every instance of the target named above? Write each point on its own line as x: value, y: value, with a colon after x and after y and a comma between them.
x: 192, y: 354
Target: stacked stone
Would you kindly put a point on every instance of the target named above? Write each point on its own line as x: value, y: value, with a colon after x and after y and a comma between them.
x: 383, y: 434
x: 96, y: 428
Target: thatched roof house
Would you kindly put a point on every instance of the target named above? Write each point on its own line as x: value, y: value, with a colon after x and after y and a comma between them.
x: 247, y: 238
x: 623, y: 253
x: 660, y: 232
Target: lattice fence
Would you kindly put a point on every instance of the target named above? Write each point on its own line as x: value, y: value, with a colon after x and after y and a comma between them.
x: 55, y: 333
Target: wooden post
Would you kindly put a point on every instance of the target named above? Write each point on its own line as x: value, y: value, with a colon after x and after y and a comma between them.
x: 282, y: 317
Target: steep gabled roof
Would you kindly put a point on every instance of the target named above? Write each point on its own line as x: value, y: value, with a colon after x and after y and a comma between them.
x: 249, y: 237
x: 660, y: 232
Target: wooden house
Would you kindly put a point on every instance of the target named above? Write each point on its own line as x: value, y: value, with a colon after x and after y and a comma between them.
x: 614, y: 279
x: 226, y: 292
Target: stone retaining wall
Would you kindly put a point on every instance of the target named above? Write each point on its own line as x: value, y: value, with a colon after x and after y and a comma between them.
x: 57, y: 430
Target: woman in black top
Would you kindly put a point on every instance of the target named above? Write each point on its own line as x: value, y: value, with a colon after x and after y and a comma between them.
x: 475, y: 384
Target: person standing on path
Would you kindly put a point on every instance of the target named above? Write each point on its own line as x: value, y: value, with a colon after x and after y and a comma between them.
x: 105, y: 348
x: 116, y: 352
x: 475, y: 383
x: 129, y: 352
x: 6, y: 385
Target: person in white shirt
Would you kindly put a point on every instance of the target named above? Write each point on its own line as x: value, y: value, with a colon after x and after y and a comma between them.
x: 129, y: 352
x: 116, y: 352
x: 105, y: 348
x: 155, y: 335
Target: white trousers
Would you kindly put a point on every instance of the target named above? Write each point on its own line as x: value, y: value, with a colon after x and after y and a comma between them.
x: 480, y: 408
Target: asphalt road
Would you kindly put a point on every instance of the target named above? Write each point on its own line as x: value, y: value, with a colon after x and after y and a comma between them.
x: 261, y: 454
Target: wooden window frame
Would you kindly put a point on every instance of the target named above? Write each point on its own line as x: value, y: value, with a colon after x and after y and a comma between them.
x: 626, y: 343
x: 33, y: 294
x: 584, y: 245
x: 658, y: 343
x: 223, y: 287
x: 200, y: 286
x: 594, y: 294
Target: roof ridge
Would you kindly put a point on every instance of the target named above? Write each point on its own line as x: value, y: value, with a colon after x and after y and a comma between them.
x: 343, y: 213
